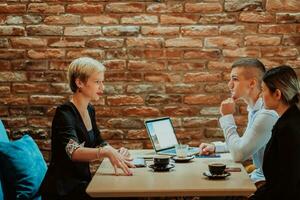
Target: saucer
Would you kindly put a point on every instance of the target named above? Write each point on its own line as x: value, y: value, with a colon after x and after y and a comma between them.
x: 162, y: 169
x: 221, y: 176
x: 185, y: 159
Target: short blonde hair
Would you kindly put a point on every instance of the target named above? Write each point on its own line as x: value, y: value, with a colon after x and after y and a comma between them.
x: 82, y: 68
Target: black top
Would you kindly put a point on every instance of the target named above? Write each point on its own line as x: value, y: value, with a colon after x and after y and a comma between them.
x: 63, y: 174
x: 281, y: 165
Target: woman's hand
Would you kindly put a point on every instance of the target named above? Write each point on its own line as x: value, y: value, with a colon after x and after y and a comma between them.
x: 125, y: 153
x: 206, y: 149
x: 117, y: 160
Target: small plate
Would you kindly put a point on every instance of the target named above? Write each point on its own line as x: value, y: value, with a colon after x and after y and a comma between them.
x: 221, y: 176
x: 162, y: 169
x: 185, y: 159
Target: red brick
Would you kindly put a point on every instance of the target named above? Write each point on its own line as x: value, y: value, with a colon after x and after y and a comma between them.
x: 14, y: 100
x: 184, y: 42
x: 146, y: 65
x: 140, y: 19
x: 241, y: 52
x: 159, y: 99
x: 4, y: 43
x: 83, y: 30
x: 117, y: 53
x: 38, y: 122
x: 153, y: 53
x: 203, y: 7
x: 182, y: 88
x: 291, y: 40
x: 101, y: 19
x: 115, y: 76
x: 279, y: 5
x: 210, y: 111
x: 219, y: 88
x: 113, y: 89
x: 121, y: 30
x: 9, y: 8
x: 179, y: 66
x: 66, y: 42
x: 46, y: 54
x: 85, y: 8
x: 59, y: 65
x: 49, y: 76
x: 262, y: 40
x: 279, y: 51
x: 29, y: 65
x: 30, y: 87
x: 202, y: 99
x: 5, y: 65
x: 202, y: 77
x: 288, y: 17
x: 202, y: 54
x: 178, y: 19
x: 28, y: 42
x: 105, y: 43
x: 11, y: 54
x: 3, y: 112
x: 173, y: 53
x: 277, y: 29
x: 144, y: 42
x: 115, y: 64
x: 168, y: 7
x: 149, y: 30
x: 62, y: 19
x: 125, y: 7
x: 157, y: 77
x: 12, y: 30
x: 121, y: 100
x: 46, y: 99
x: 218, y: 65
x: 60, y: 88
x: 237, y: 5
x: 238, y: 29
x: 145, y: 88
x: 16, y: 122
x: 221, y: 41
x: 94, y: 53
x: 199, y: 30
x: 271, y: 62
x: 44, y: 30
x: 135, y: 77
x: 197, y: 122
x: 142, y: 111
x: 108, y: 112
x: 137, y: 134
x: 4, y: 90
x: 257, y: 17
x: 112, y: 134
x: 217, y: 19
x: 174, y: 111
x: 45, y: 8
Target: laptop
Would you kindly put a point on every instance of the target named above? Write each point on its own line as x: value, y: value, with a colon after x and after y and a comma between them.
x: 163, y: 138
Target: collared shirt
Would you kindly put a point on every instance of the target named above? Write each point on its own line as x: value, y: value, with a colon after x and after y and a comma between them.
x: 253, y: 141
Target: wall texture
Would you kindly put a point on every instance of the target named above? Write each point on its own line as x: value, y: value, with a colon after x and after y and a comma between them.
x: 164, y: 58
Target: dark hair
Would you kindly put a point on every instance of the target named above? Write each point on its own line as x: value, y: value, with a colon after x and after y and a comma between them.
x: 283, y: 78
x: 249, y: 62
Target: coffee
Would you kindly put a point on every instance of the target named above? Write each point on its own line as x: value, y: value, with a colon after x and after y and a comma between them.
x: 217, y: 168
x: 161, y: 160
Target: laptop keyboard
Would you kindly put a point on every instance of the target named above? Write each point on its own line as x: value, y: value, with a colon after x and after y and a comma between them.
x: 192, y: 150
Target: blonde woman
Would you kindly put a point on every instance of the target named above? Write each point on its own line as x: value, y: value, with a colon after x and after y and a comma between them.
x: 75, y: 137
x: 280, y: 90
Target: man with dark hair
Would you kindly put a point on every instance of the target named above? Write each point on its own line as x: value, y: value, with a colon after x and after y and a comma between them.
x: 245, y: 83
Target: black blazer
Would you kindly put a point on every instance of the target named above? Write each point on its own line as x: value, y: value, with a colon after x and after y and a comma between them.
x: 281, y: 164
x: 63, y: 174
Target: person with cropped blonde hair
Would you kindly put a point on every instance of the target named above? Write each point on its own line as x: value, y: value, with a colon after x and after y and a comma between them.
x: 76, y: 139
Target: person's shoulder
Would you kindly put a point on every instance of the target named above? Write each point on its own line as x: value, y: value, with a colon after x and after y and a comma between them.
x: 267, y: 112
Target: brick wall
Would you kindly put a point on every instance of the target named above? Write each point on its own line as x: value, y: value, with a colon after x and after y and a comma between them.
x: 164, y: 58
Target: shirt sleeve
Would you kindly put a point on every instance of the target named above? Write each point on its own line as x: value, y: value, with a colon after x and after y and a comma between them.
x: 255, y: 137
x: 64, y: 128
x: 220, y: 147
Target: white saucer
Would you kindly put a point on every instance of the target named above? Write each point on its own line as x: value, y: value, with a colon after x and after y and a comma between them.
x: 221, y: 176
x: 184, y: 159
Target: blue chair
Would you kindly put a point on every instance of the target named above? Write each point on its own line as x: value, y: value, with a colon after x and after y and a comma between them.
x: 3, y: 138
x: 17, y: 155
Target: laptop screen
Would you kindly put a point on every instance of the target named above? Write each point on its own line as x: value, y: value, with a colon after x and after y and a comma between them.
x: 161, y: 133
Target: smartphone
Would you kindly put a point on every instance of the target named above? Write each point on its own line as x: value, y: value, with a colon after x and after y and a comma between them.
x: 139, y: 162
x: 233, y: 169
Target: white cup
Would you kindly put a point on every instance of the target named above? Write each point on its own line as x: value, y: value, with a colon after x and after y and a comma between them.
x: 181, y: 150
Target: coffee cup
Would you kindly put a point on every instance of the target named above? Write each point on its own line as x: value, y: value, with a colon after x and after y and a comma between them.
x: 216, y: 168
x: 182, y: 150
x: 161, y: 161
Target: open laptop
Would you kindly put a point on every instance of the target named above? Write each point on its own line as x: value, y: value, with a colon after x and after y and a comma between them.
x: 162, y: 135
